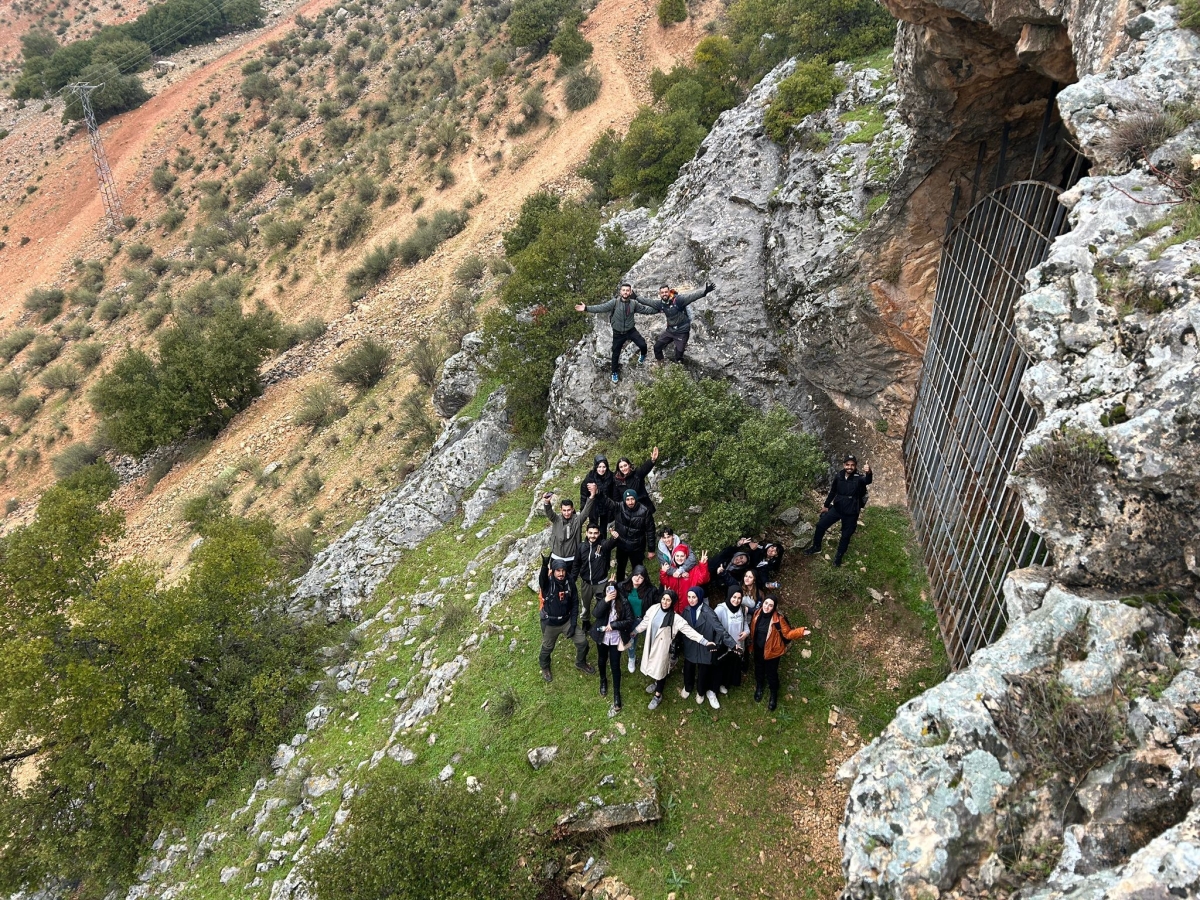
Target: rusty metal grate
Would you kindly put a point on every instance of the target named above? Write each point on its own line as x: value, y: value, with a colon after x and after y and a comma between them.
x: 970, y: 416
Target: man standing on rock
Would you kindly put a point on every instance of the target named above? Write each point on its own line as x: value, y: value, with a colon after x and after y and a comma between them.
x: 621, y: 310
x: 560, y: 615
x: 847, y: 497
x: 679, y: 321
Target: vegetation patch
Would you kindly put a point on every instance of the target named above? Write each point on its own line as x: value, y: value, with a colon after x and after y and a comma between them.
x: 1068, y: 466
x: 810, y: 88
x: 870, y: 124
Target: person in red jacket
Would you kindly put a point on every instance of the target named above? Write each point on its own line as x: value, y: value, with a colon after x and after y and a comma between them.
x: 693, y: 577
x: 770, y: 633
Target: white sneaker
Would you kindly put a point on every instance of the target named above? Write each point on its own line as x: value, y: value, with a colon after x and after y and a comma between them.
x: 723, y: 689
x: 699, y: 698
x: 650, y: 688
x: 684, y: 693
x: 712, y: 700
x: 631, y: 665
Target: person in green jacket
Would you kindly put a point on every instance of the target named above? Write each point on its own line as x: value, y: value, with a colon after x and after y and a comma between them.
x: 621, y: 310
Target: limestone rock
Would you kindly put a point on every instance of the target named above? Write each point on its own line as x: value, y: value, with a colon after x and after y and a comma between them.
x: 460, y: 377
x: 540, y: 757
x: 590, y: 819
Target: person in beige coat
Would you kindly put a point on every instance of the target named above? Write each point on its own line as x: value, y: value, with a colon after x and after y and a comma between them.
x: 661, y: 626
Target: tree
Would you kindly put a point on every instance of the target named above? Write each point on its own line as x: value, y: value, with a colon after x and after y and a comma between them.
x: 570, y: 47
x: 38, y: 43
x: 654, y: 151
x: 533, y: 24
x: 535, y: 210
x: 118, y: 94
x: 671, y: 11
x: 601, y: 165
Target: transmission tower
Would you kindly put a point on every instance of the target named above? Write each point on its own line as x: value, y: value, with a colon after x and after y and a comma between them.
x: 108, y: 185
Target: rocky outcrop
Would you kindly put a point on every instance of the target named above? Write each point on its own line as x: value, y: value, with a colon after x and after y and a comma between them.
x: 460, y: 377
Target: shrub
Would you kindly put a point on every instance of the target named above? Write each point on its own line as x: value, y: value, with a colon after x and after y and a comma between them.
x: 415, y: 418
x: 10, y: 384
x: 338, y: 132
x: 47, y: 304
x: 162, y: 180
x: 1068, y: 466
x: 429, y: 235
x: 139, y: 252
x: 15, y: 341
x: 61, y: 377
x: 582, y: 89
x: 653, y: 151
x: 811, y: 87
x: 306, y: 332
x: 203, y: 509
x: 1189, y: 14
x: 443, y: 175
x: 536, y: 209
x: 671, y: 11
x: 285, y: 232
x: 320, y: 406
x: 754, y: 462
x: 295, y: 550
x: 259, y: 86
x: 366, y: 189
x: 533, y: 24
x: 425, y: 360
x: 571, y: 47
x: 1139, y: 131
x: 350, y: 222
x: 372, y: 270
x: 470, y: 270
x: 110, y: 309
x: 89, y: 354
x: 389, y: 195
x: 26, y: 406
x: 414, y: 839
x: 43, y: 351
x: 459, y: 318
x: 250, y: 182
x: 365, y: 365
x: 72, y: 459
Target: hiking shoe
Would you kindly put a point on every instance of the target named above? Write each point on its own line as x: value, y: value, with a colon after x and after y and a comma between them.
x: 837, y: 561
x: 616, y: 377
x: 772, y: 703
x: 723, y: 689
x: 758, y: 696
x: 546, y: 676
x: 613, y: 710
x: 712, y: 700
x: 586, y: 668
x: 641, y: 359
x: 650, y: 688
x: 809, y: 551
x: 654, y: 701
x: 684, y: 693
x: 699, y: 698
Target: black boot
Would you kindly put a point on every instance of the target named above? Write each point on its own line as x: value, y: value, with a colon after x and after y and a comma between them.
x: 616, y: 700
x: 773, y: 702
x: 603, y: 688
x: 809, y: 551
x: 837, y: 561
x: 758, y: 692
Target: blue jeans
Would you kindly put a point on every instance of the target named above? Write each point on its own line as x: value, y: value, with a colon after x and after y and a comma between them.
x: 632, y: 649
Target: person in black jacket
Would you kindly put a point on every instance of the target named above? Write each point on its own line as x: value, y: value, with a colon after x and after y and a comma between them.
x: 732, y: 562
x: 612, y: 631
x: 679, y: 321
x: 767, y: 561
x: 559, y: 616
x: 629, y: 476
x: 633, y: 526
x: 592, y: 562
x: 621, y: 310
x: 847, y: 496
x: 602, y: 477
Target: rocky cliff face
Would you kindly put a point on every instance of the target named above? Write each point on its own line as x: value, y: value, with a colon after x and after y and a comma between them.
x: 1060, y: 762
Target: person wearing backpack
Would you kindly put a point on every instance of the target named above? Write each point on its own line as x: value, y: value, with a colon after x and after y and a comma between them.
x: 679, y: 321
x: 621, y: 310
x: 847, y: 497
x: 770, y: 634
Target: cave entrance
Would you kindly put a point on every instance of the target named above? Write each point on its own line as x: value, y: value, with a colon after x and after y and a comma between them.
x: 970, y: 416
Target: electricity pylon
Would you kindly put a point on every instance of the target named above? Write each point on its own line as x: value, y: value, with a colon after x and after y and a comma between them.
x: 108, y: 185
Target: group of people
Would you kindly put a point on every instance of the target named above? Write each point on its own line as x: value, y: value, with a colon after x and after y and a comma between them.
x: 721, y: 616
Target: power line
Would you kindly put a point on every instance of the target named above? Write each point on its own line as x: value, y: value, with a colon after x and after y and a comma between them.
x: 132, y: 60
x: 108, y: 185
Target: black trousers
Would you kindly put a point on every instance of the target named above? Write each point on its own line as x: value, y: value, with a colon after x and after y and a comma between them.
x: 610, y: 656
x: 668, y: 337
x: 628, y: 558
x: 620, y: 339
x: 727, y: 670
x: 766, y: 670
x: 698, y: 677
x: 827, y: 520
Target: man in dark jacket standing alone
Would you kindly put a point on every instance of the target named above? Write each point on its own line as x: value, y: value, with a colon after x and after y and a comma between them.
x: 621, y: 310
x: 559, y: 616
x: 847, y: 496
x: 679, y: 320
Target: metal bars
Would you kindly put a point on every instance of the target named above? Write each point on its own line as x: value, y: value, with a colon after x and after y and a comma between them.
x: 104, y: 175
x: 970, y: 416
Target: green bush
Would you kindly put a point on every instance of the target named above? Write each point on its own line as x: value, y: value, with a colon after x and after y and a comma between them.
x: 366, y: 189
x: 259, y: 86
x: 250, y: 182
x: 10, y: 384
x: 338, y: 132
x: 811, y: 87
x: 203, y: 509
x: 470, y: 270
x: 601, y: 165
x: 43, y: 351
x: 571, y: 47
x: 350, y: 222
x: 206, y: 372
x: 365, y: 365
x: 671, y: 11
x: 26, y: 406
x: 429, y: 235
x: 282, y: 232
x: 62, y: 377
x: 536, y: 322
x: 74, y: 458
x: 1189, y: 14
x: 536, y: 209
x: 153, y: 696
x: 653, y: 152
x: 372, y: 270
x: 139, y: 252
x: 110, y: 309
x: 162, y: 180
x: 533, y: 24
x: 582, y: 89
x: 47, y: 304
x: 307, y: 331
x: 740, y: 465
x: 15, y: 341
x: 411, y: 839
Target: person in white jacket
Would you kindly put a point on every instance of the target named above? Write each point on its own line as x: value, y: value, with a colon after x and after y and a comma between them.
x: 736, y: 620
x: 661, y: 625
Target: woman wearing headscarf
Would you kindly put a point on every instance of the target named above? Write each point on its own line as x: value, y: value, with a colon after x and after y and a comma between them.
x: 641, y: 594
x: 698, y: 658
x: 661, y: 624
x: 612, y: 631
x: 601, y: 476
x: 736, y: 622
x: 769, y: 637
x: 767, y: 562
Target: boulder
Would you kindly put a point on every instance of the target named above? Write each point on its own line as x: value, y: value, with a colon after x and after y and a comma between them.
x: 540, y: 757
x: 591, y: 819
x: 460, y: 377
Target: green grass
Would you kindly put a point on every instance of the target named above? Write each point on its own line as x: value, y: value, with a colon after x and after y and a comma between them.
x: 727, y: 778
x: 870, y: 120
x: 479, y: 401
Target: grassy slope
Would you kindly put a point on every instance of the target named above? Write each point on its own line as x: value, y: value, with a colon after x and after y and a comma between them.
x: 728, y: 779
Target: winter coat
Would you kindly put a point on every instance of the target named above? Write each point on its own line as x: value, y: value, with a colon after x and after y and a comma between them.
x: 603, y: 489
x: 778, y: 633
x: 696, y: 576
x: 679, y: 320
x: 636, y: 480
x: 710, y: 628
x: 635, y: 526
x: 621, y: 312
x: 624, y: 624
x: 564, y: 533
x: 848, y: 493
x: 734, y: 622
x: 592, y: 560
x: 732, y: 574
x: 656, y: 653
x: 666, y: 557
x: 648, y: 593
x: 558, y: 600
x: 767, y: 569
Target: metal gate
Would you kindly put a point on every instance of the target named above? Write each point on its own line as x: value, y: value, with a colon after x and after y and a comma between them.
x: 970, y: 416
